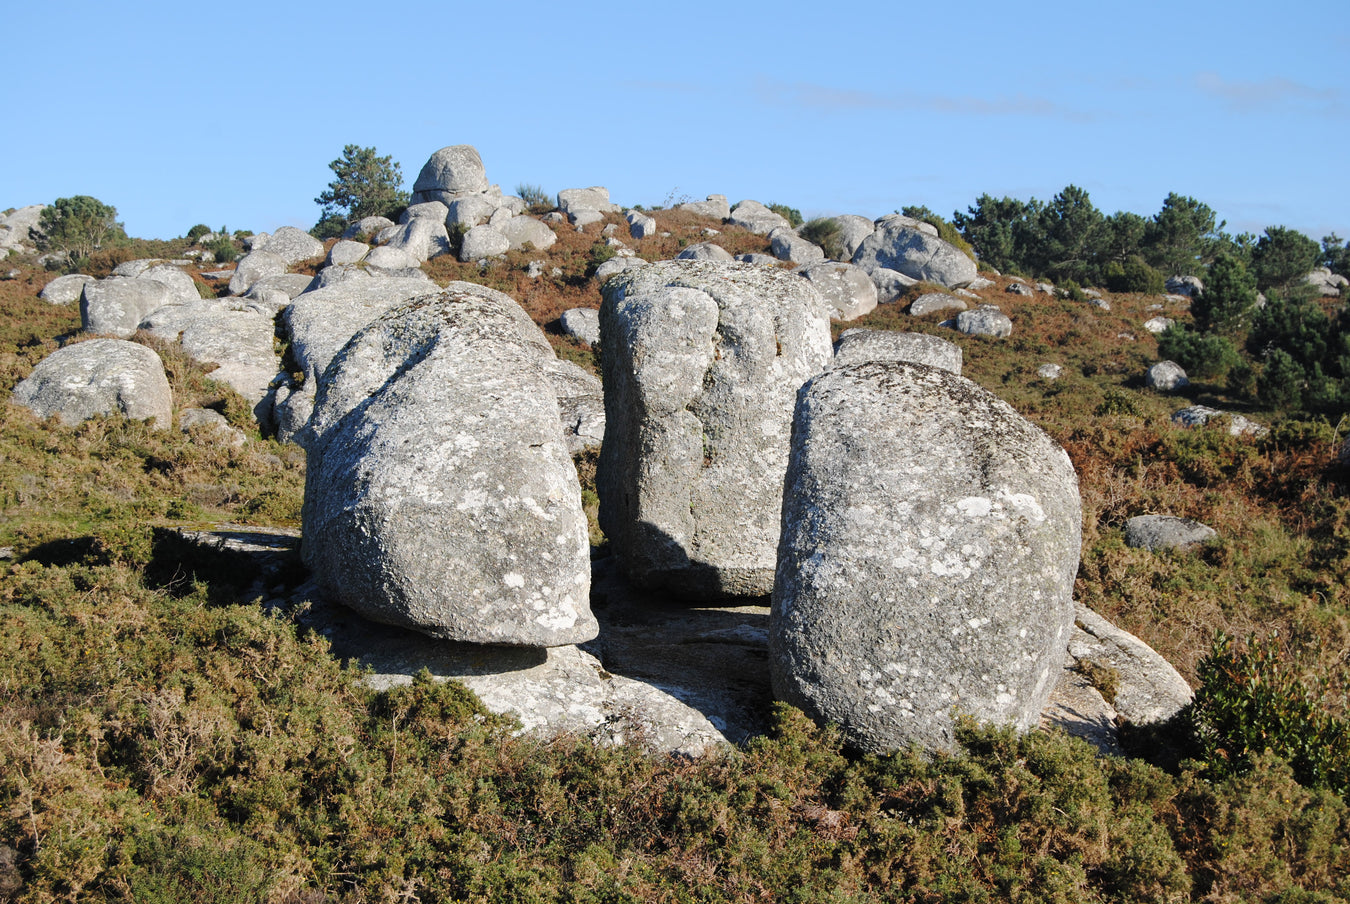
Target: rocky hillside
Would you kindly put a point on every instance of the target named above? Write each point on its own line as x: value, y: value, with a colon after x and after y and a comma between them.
x: 172, y: 424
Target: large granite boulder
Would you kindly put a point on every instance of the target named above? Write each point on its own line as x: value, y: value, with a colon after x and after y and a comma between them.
x: 367, y: 227
x: 227, y: 332
x: 101, y: 376
x: 522, y: 231
x: 898, y: 245
x: 253, y: 267
x: 930, y: 542
x: 449, y: 173
x: 757, y: 218
x: 848, y: 290
x: 294, y: 246
x: 19, y: 230
x: 788, y: 246
x: 935, y: 303
x: 702, y: 363
x: 440, y: 494
x: 572, y: 200
x: 986, y: 320
x: 853, y: 230
x: 483, y: 241
x: 715, y: 206
x: 118, y: 304
x: 857, y: 346
x: 65, y: 289
x: 182, y: 288
x: 422, y: 238
x: 703, y: 251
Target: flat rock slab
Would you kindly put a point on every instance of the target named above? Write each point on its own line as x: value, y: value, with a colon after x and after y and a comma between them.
x: 689, y: 678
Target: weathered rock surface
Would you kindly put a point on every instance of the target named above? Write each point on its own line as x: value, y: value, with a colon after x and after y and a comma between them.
x: 320, y: 322
x: 907, y: 591
x: 1328, y: 284
x: 483, y: 241
x: 227, y: 332
x: 367, y: 227
x: 1049, y: 372
x: 986, y: 320
x: 617, y: 265
x: 687, y: 679
x: 859, y: 346
x: 702, y: 362
x: 118, y: 304
x: 1166, y: 376
x: 704, y: 251
x: 891, y: 284
x: 581, y: 404
x: 1158, y: 325
x: 440, y: 495
x: 347, y: 251
x: 101, y: 376
x: 422, y: 238
x: 788, y: 246
x: 522, y: 231
x: 849, y: 292
x: 432, y: 210
x: 641, y: 226
x: 571, y: 200
x: 294, y: 246
x: 1166, y: 532
x: 65, y: 289
x: 935, y: 303
x: 757, y: 218
x: 853, y: 230
x: 451, y: 170
x: 253, y: 267
x: 583, y: 324
x: 19, y: 229
x: 1148, y: 689
x: 715, y: 206
x: 1199, y: 415
x: 897, y: 245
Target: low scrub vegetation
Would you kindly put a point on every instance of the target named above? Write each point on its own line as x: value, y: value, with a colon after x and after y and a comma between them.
x: 165, y: 737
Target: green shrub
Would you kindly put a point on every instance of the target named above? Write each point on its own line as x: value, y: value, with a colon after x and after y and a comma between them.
x: 1135, y: 275
x: 791, y: 214
x: 1205, y: 356
x: 1071, y: 290
x: 197, y: 232
x: 223, y: 250
x: 824, y: 231
x: 534, y: 197
x: 1253, y: 698
x: 1228, y: 298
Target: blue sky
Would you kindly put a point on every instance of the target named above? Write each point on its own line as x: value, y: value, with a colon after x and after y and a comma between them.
x: 229, y: 113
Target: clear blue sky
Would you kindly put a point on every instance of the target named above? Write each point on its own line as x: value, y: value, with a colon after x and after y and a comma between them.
x: 229, y: 113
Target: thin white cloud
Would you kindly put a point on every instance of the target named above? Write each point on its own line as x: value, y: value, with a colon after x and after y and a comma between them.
x: 828, y: 99
x: 1272, y: 94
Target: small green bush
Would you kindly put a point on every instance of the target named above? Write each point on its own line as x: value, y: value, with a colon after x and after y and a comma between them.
x: 197, y: 232
x: 824, y: 231
x: 791, y: 214
x: 534, y: 196
x: 1135, y: 275
x: 1071, y: 290
x: 223, y: 250
x: 1205, y: 356
x: 1253, y: 699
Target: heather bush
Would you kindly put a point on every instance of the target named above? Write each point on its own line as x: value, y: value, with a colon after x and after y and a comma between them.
x: 791, y: 214
x: 824, y: 231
